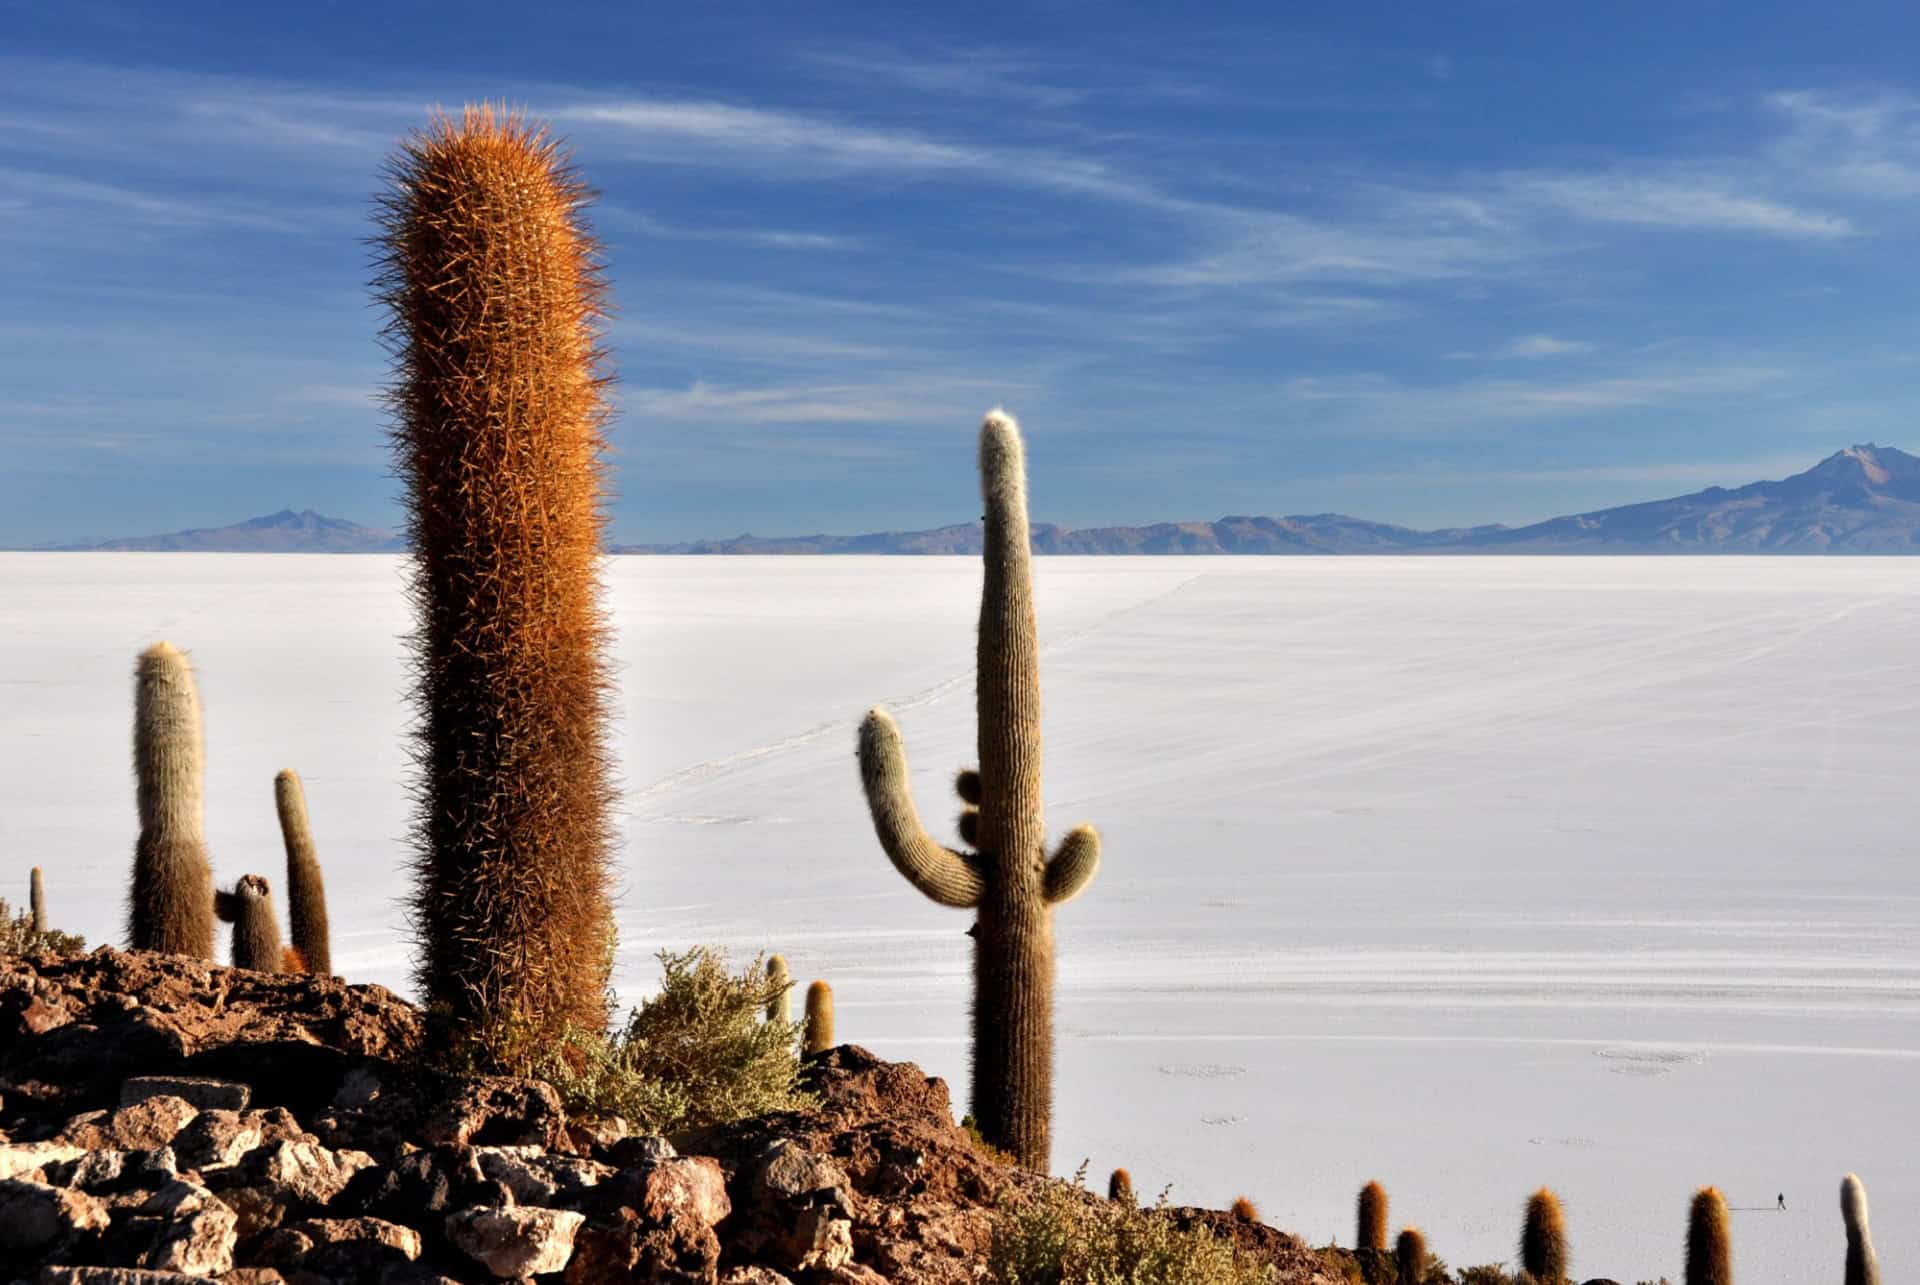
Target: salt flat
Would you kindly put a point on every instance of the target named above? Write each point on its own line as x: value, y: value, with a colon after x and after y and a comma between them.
x: 1465, y: 874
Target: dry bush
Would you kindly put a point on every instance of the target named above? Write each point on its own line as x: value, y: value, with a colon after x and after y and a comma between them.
x: 1062, y: 1237
x: 17, y: 936
x: 698, y: 1053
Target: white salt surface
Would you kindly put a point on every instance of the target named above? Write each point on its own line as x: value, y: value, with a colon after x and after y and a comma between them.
x: 1469, y: 875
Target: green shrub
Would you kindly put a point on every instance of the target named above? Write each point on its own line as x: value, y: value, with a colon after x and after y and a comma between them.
x: 1485, y: 1274
x: 698, y: 1053
x: 17, y: 936
x: 1061, y: 1236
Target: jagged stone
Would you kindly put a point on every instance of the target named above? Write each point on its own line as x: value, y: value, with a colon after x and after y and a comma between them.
x: 753, y: 1276
x: 125, y: 1276
x: 217, y: 1136
x: 202, y: 1091
x: 633, y: 1152
x: 21, y: 1158
x: 143, y: 1126
x: 817, y: 1240
x: 197, y: 1234
x: 90, y: 1171
x: 628, y: 1247
x: 515, y: 1242
x: 35, y: 1217
x: 305, y: 1170
x: 352, y: 1249
x: 537, y: 1178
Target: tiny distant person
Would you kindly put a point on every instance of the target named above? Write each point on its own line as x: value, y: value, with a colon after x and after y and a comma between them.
x: 1783, y: 1202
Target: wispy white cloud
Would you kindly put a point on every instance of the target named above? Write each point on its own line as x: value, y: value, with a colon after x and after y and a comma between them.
x: 1530, y: 346
x: 899, y: 400
x: 1865, y: 144
x: 1379, y: 404
x: 969, y: 73
x: 1683, y: 203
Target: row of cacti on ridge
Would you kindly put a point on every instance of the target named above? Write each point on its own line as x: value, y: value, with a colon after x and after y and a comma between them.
x: 172, y: 904
x: 1544, y: 1256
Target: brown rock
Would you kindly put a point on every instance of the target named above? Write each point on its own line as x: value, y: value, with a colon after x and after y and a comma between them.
x: 753, y: 1276
x: 692, y: 1188
x: 18, y: 1159
x: 817, y: 1241
x: 626, y: 1247
x: 126, y: 1276
x: 145, y: 1126
x: 35, y: 1217
x: 197, y: 1231
x: 203, y: 1092
x: 217, y: 1137
x: 515, y: 1242
x: 304, y: 1170
x: 350, y: 1249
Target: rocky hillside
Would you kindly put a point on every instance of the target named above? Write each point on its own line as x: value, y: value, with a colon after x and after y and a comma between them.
x: 200, y: 1123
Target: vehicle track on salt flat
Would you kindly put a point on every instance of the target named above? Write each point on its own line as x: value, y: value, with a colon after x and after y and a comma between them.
x: 711, y: 769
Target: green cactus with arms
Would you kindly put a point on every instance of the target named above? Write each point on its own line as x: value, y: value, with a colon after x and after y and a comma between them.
x: 1007, y: 879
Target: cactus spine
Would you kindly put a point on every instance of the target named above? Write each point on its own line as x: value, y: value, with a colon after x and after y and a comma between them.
x: 1008, y: 881
x: 1371, y: 1232
x: 1410, y: 1257
x: 1543, y: 1239
x: 494, y: 300
x: 1709, y: 1241
x: 37, y: 900
x: 780, y: 984
x: 1120, y: 1186
x: 256, y: 931
x: 1863, y: 1265
x: 306, y: 890
x: 818, y: 1037
x: 171, y: 905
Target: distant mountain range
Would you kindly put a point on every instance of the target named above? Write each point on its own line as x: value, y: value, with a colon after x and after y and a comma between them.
x: 1865, y: 499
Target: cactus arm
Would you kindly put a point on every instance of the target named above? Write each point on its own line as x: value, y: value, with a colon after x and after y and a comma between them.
x: 1074, y: 864
x: 940, y: 873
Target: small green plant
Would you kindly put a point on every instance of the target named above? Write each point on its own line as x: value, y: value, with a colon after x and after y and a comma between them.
x: 1062, y: 1236
x: 1485, y: 1274
x: 699, y: 1053
x: 987, y: 1151
x: 17, y: 936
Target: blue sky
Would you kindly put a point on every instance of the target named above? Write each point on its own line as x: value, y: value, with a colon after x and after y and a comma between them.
x: 1425, y: 263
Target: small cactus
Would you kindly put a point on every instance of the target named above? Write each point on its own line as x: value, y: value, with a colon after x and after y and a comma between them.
x: 1410, y: 1257
x: 819, y: 1026
x: 37, y: 901
x: 1543, y: 1239
x: 1245, y: 1210
x: 1120, y: 1186
x: 1863, y: 1266
x: 780, y: 981
x: 306, y: 890
x: 171, y: 903
x: 1709, y: 1241
x: 1372, y: 1230
x: 256, y: 931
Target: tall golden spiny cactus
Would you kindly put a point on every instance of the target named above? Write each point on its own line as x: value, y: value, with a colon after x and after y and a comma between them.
x: 495, y: 300
x: 170, y: 907
x: 1009, y: 881
x: 1370, y: 1218
x: 1709, y: 1240
x: 306, y: 890
x: 1543, y: 1239
x: 37, y: 900
x: 1863, y: 1265
x: 780, y: 986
